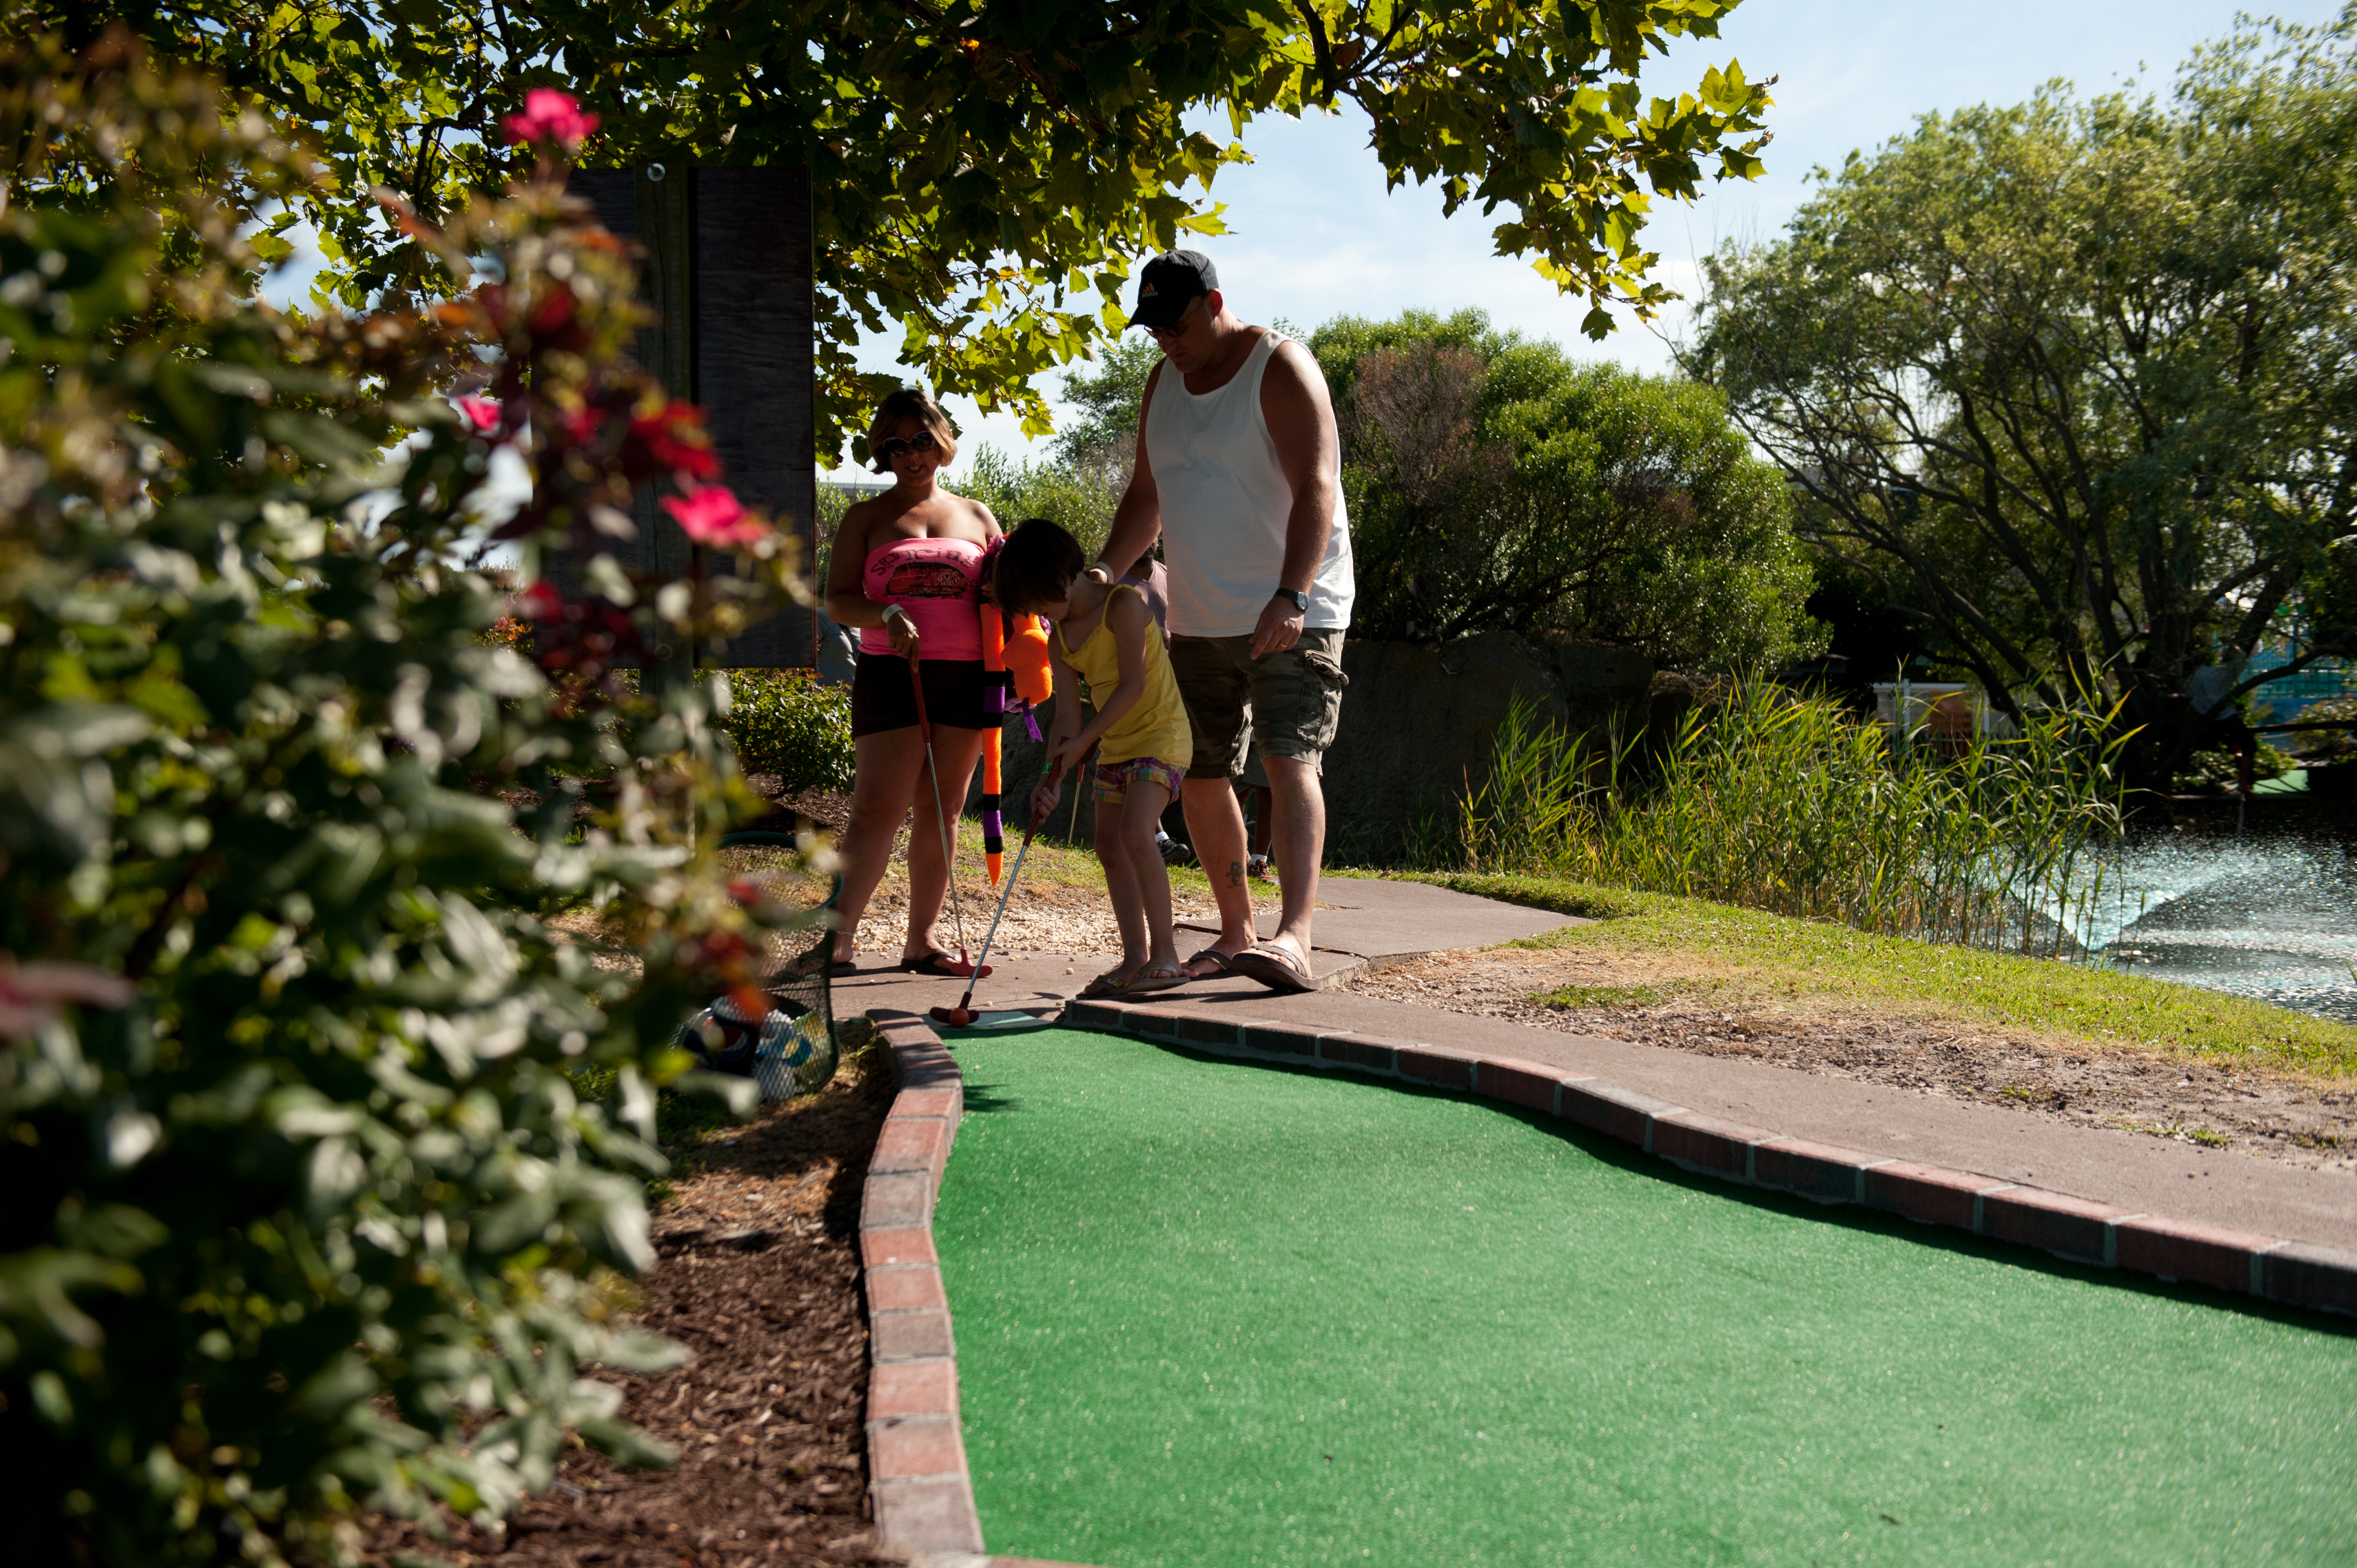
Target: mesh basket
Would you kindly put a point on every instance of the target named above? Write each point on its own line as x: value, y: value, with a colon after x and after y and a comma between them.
x: 792, y: 1049
x: 801, y: 1061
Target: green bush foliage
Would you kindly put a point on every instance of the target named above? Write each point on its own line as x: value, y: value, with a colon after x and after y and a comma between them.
x: 1792, y: 805
x: 317, y: 1221
x: 785, y: 722
x: 1495, y: 484
x: 1078, y: 496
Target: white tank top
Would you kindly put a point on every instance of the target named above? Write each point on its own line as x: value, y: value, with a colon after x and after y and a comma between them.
x: 1225, y: 505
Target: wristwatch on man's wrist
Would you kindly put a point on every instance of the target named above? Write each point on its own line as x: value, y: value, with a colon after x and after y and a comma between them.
x: 1300, y: 600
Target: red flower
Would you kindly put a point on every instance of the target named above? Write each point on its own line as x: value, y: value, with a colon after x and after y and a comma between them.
x: 482, y: 413
x: 713, y: 515
x: 557, y: 325
x: 550, y: 116
x: 670, y: 441
x: 540, y: 601
x: 581, y: 425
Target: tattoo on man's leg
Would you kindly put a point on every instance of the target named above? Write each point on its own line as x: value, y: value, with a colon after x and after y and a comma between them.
x: 1235, y: 874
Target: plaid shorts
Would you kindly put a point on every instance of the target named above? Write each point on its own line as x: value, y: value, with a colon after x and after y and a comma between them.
x: 1283, y: 704
x: 1114, y: 781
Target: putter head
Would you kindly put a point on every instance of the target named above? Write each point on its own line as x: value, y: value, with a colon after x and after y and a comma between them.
x: 955, y: 1017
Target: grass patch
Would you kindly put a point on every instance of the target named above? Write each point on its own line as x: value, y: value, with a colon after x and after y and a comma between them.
x: 1820, y: 960
x: 1566, y: 997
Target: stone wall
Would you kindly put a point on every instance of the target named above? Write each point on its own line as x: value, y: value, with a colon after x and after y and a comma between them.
x: 1418, y: 721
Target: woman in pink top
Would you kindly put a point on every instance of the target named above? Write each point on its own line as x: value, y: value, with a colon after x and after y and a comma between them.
x: 905, y: 570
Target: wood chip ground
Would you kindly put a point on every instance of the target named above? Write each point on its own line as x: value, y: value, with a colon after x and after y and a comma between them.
x: 758, y: 1274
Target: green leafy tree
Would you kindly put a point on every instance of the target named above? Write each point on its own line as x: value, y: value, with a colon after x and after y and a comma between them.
x: 2077, y: 381
x: 1496, y: 484
x: 1106, y: 400
x: 1078, y: 496
x: 982, y: 168
x: 305, y: 1212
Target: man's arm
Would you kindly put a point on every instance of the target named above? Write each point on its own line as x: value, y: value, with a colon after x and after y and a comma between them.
x: 1138, y: 521
x: 1300, y: 415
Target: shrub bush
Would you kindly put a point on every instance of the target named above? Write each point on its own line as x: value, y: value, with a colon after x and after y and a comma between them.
x: 317, y: 1221
x: 787, y: 722
x: 1792, y: 805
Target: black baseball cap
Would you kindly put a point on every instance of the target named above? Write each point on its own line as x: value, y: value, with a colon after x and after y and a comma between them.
x: 1168, y: 283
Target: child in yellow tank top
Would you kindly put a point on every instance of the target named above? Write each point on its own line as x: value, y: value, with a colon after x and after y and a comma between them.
x: 1107, y: 638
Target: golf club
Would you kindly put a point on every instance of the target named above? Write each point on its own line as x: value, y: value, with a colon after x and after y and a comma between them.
x: 963, y: 1015
x: 949, y: 856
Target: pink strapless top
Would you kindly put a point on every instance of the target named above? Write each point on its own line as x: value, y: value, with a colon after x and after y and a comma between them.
x: 938, y: 582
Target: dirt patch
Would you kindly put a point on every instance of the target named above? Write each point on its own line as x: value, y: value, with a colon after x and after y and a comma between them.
x: 757, y: 1273
x: 1652, y: 1002
x: 1039, y: 920
x: 829, y: 809
x: 1043, y: 916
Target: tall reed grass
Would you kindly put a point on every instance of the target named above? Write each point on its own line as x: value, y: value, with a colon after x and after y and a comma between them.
x: 1789, y: 804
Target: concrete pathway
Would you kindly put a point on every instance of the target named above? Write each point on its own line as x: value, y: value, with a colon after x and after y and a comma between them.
x: 1393, y: 920
x: 1362, y: 921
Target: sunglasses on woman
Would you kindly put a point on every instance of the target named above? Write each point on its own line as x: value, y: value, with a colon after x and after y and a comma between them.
x: 922, y: 441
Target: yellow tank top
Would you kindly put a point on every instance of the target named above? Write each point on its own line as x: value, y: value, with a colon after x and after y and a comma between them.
x: 1156, y: 727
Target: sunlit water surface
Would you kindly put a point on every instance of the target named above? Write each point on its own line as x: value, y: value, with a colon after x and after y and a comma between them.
x: 2273, y: 918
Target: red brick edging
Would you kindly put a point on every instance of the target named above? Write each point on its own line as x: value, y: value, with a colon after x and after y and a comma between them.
x: 2293, y: 1273
x: 917, y: 1475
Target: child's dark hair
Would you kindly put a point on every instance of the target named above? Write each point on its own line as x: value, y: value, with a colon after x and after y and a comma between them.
x: 1035, y: 566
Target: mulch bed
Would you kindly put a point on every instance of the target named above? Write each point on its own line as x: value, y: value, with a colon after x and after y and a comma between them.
x: 758, y: 1275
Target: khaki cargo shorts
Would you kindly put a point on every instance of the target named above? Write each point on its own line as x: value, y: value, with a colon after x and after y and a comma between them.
x: 1285, y: 704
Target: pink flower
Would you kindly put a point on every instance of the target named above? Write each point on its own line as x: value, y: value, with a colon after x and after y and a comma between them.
x: 482, y: 413
x: 550, y: 116
x: 30, y: 993
x: 713, y: 515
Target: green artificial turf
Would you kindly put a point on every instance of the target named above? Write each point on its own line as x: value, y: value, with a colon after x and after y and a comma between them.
x: 1213, y: 1314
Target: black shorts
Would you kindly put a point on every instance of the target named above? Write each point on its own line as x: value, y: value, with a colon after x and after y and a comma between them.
x: 882, y: 698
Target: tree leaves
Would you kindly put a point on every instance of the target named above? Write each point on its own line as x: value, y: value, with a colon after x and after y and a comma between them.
x: 2073, y: 379
x: 972, y: 159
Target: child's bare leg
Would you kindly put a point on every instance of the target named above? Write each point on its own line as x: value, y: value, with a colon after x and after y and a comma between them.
x: 1122, y: 884
x: 1141, y: 815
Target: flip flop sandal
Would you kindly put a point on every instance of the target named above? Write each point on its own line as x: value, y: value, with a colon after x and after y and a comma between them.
x: 941, y: 966
x: 1109, y: 984
x: 1224, y: 965
x: 1275, y: 967
x: 1155, y: 977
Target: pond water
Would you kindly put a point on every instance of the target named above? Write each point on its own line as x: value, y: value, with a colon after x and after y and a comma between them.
x: 2271, y: 918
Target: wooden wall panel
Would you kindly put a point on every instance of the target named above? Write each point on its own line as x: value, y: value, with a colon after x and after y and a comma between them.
x: 754, y: 368
x: 728, y: 269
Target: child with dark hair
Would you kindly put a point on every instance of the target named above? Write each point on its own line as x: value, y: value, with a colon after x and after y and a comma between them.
x: 1106, y: 636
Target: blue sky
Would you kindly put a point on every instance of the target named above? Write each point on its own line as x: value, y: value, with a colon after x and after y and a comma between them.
x: 1316, y: 234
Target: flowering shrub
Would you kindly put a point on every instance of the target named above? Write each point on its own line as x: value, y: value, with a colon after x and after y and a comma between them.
x: 304, y: 1211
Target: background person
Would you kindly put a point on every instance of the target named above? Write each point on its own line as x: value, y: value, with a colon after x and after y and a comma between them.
x: 1239, y: 473
x: 906, y: 570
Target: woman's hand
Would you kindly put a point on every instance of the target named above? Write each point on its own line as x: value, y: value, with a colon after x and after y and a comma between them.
x: 902, y: 629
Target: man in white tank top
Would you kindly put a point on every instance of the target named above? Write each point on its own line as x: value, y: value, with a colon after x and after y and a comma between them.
x: 1239, y: 472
